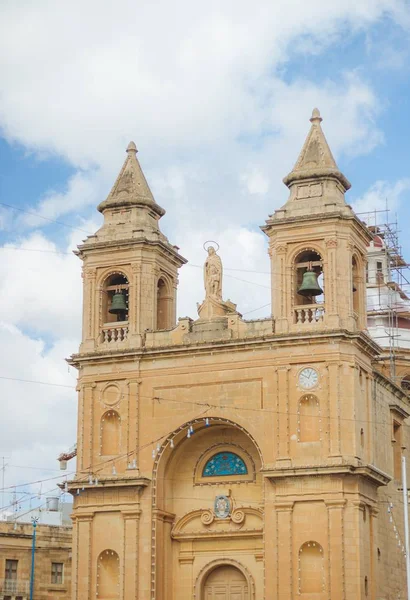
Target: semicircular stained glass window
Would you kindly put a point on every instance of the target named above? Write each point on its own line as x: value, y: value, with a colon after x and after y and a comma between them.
x: 224, y: 463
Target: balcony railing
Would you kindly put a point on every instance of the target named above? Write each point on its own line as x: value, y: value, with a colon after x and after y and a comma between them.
x: 14, y: 586
x: 114, y: 332
x: 309, y: 314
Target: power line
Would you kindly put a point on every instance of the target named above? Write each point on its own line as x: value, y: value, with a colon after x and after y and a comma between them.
x: 38, y: 216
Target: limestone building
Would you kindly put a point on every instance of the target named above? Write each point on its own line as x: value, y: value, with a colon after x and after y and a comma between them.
x: 220, y: 458
x: 52, y: 580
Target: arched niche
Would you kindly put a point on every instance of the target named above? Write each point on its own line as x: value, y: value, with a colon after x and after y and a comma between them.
x: 309, y: 421
x: 311, y: 569
x: 110, y: 433
x: 164, y: 303
x: 108, y: 575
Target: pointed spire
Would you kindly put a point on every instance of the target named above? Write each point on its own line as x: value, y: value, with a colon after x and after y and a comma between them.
x: 316, y: 159
x: 131, y: 187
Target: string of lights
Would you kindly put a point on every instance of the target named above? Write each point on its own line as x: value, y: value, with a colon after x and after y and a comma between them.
x: 209, y: 405
x: 393, y: 522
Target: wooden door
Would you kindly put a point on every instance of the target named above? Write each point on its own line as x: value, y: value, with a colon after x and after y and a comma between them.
x: 226, y: 583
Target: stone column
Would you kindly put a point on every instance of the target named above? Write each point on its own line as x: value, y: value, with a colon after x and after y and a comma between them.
x: 133, y: 420
x: 130, y: 583
x: 354, y: 548
x: 333, y: 402
x: 374, y: 542
x: 88, y: 426
x: 134, y: 316
x: 80, y: 429
x: 163, y: 562
x: 74, y: 560
x: 90, y: 305
x: 283, y: 413
x: 280, y: 289
x: 330, y: 282
x: 84, y: 567
x: 335, y: 552
x: 285, y: 567
x: 370, y: 420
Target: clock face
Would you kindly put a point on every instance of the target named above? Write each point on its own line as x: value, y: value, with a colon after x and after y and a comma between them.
x: 308, y: 378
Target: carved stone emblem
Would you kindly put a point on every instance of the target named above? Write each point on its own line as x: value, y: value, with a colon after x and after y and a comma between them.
x: 222, y: 507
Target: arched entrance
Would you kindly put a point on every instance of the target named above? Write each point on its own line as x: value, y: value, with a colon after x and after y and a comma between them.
x: 226, y: 582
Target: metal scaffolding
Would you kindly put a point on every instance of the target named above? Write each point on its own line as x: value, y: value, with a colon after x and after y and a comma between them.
x: 397, y: 280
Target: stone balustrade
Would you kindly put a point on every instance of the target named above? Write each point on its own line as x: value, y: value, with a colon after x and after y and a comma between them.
x: 114, y: 332
x: 309, y: 314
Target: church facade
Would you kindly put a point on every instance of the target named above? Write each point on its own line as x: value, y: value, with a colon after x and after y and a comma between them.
x: 220, y: 458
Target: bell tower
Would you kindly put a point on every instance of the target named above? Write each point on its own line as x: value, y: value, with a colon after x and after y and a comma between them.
x: 317, y: 246
x: 129, y: 267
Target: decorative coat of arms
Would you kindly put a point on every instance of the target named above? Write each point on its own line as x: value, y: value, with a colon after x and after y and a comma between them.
x: 222, y: 507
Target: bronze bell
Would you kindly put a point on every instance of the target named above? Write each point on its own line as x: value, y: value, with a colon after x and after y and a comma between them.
x: 118, y: 304
x: 310, y: 286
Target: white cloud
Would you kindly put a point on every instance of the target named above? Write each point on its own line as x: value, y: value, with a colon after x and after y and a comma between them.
x: 202, y: 91
x: 82, y: 189
x: 380, y: 196
x: 38, y: 287
x: 38, y: 421
x: 79, y: 80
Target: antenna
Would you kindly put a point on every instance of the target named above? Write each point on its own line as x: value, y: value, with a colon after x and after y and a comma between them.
x: 3, y: 473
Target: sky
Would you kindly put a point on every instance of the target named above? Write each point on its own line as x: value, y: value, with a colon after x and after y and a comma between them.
x: 217, y: 97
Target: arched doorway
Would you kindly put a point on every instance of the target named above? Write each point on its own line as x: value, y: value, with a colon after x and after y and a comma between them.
x: 226, y: 582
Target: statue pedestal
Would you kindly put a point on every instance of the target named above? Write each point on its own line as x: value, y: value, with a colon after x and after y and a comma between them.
x: 212, y: 307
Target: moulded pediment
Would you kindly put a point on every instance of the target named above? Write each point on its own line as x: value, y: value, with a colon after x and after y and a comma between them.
x: 244, y: 521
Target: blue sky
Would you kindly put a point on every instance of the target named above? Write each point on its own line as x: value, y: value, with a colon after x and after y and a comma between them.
x: 218, y: 101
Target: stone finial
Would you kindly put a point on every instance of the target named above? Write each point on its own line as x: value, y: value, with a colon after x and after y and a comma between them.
x: 316, y: 159
x: 316, y: 118
x: 131, y: 188
x: 132, y: 147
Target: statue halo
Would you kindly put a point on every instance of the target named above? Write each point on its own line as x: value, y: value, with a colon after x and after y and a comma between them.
x: 210, y: 242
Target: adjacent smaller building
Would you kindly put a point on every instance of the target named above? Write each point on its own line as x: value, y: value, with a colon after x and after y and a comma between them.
x: 52, y: 575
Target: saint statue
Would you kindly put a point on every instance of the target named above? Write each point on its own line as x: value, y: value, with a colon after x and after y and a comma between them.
x: 213, y: 275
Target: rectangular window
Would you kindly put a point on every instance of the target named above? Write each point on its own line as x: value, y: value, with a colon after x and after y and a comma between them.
x: 379, y: 272
x: 397, y: 443
x: 11, y: 569
x: 56, y: 572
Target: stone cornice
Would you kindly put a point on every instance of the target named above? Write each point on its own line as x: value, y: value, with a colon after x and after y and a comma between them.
x: 366, y: 344
x: 118, y: 482
x: 369, y: 472
x: 128, y: 244
x: 295, y: 221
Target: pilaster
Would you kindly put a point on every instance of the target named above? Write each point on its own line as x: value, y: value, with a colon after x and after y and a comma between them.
x: 283, y: 413
x: 336, y: 554
x: 131, y: 520
x: 285, y: 567
x: 334, y: 411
